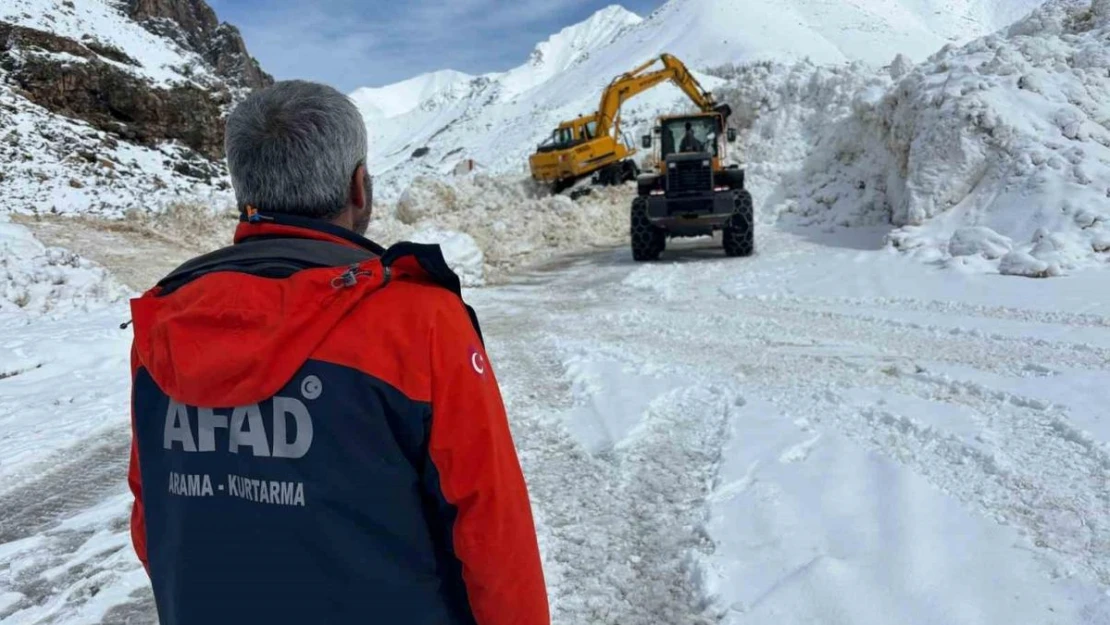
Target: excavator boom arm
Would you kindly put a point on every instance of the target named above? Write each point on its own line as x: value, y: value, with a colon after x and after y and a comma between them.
x: 632, y: 83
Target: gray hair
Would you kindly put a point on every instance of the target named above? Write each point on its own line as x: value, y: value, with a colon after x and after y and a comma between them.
x: 293, y: 147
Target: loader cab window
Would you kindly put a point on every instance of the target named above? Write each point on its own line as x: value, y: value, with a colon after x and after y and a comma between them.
x: 692, y: 134
x: 589, y: 131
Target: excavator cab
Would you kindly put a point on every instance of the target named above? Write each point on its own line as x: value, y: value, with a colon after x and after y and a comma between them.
x: 594, y: 145
x: 578, y: 148
x: 560, y: 139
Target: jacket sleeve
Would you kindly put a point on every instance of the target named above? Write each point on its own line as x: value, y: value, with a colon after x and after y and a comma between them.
x: 487, y: 511
x: 134, y: 481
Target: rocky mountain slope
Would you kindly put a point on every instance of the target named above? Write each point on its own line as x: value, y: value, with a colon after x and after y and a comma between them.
x: 110, y: 105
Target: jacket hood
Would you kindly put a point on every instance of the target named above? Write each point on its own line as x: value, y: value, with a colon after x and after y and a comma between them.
x: 233, y: 327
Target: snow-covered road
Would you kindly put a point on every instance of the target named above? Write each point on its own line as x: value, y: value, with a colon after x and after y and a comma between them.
x: 823, y: 433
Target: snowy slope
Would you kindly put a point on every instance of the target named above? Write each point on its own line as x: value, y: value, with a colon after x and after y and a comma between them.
x: 103, y: 21
x: 402, y: 97
x: 497, y: 119
x: 55, y: 164
x: 59, y: 163
x: 709, y: 32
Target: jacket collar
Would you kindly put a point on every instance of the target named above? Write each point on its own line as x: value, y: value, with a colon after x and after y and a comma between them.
x: 255, y: 224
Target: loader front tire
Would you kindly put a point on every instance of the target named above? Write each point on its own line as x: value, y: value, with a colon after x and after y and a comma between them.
x: 648, y: 240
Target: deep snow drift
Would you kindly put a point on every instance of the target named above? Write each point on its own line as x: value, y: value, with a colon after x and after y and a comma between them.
x: 489, y: 225
x: 37, y: 281
x: 990, y: 157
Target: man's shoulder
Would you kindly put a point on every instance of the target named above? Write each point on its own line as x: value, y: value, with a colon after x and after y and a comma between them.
x: 418, y: 303
x: 423, y: 275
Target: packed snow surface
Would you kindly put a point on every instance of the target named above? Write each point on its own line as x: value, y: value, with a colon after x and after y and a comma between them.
x: 826, y: 432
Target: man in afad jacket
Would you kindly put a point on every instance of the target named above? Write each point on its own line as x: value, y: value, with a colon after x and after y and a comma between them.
x: 318, y: 434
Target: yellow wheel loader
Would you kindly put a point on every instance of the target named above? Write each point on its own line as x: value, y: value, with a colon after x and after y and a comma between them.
x: 691, y: 192
x: 593, y: 145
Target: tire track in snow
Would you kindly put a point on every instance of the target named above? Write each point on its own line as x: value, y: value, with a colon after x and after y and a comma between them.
x: 620, y: 529
x: 83, y: 476
x: 1034, y: 470
x: 1028, y: 466
x: 943, y: 307
x: 55, y: 575
x: 49, y: 575
x: 1054, y: 483
x: 669, y: 472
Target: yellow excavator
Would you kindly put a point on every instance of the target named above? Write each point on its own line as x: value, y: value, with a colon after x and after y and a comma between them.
x: 593, y: 144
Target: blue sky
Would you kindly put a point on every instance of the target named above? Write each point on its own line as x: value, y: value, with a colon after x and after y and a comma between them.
x: 350, y: 44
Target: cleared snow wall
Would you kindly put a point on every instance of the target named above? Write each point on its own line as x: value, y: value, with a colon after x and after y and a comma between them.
x: 994, y: 156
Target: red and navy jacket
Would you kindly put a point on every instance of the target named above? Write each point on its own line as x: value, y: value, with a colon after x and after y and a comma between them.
x: 319, y: 438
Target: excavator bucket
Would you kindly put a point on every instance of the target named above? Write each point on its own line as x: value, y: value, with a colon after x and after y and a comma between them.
x: 725, y: 110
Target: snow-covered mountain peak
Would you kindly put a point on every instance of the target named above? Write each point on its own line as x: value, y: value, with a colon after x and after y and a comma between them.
x: 402, y: 97
x: 568, y: 46
x: 549, y: 58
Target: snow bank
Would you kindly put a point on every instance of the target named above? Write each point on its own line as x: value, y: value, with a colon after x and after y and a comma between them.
x: 35, y: 279
x: 1010, y: 133
x: 490, y: 225
x: 786, y: 113
x: 981, y: 241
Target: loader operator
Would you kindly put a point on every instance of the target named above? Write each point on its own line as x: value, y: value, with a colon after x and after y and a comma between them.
x: 318, y: 435
x: 689, y: 143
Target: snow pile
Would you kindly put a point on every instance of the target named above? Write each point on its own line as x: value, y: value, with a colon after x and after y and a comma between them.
x: 1011, y: 133
x: 35, y: 279
x: 998, y: 148
x: 460, y: 250
x: 489, y: 225
x: 54, y: 164
x: 982, y: 241
x: 785, y: 113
